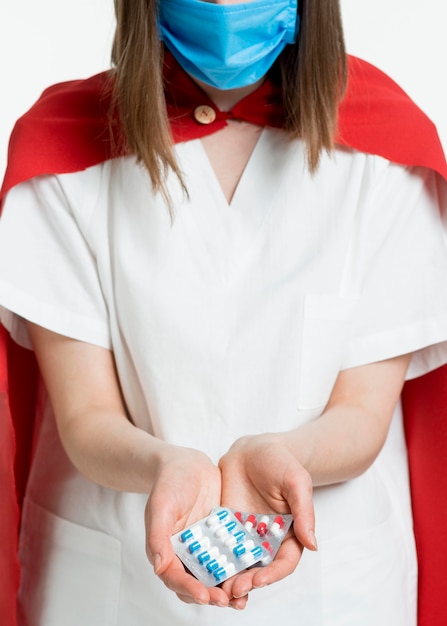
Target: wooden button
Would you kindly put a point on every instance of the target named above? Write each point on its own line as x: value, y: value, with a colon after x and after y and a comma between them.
x: 204, y: 114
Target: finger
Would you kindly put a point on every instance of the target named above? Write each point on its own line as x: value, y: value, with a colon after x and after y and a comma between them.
x: 283, y: 565
x: 189, y: 589
x: 298, y: 493
x: 239, y: 603
x: 239, y: 586
x: 217, y: 597
x: 177, y: 579
x: 160, y: 552
x: 159, y: 529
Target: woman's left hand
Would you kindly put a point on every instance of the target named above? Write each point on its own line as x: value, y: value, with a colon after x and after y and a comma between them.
x: 260, y: 475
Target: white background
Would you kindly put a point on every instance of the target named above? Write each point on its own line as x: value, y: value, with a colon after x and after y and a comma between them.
x: 46, y: 41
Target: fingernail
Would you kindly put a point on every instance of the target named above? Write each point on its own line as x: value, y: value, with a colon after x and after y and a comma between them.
x: 157, y: 563
x: 313, y: 540
x: 222, y: 604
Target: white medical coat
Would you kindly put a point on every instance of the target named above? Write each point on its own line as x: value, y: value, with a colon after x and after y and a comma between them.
x: 227, y: 320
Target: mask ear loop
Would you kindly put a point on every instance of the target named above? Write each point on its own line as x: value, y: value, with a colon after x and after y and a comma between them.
x: 299, y: 18
x: 274, y: 72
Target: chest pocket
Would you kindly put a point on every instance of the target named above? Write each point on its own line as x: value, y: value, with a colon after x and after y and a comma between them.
x: 327, y: 327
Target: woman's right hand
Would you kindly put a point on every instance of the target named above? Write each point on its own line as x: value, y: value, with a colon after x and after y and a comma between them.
x: 108, y: 449
x: 186, y: 487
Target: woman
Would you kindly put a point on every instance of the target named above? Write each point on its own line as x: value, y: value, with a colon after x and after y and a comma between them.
x: 225, y: 295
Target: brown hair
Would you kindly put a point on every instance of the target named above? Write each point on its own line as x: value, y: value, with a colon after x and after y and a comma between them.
x: 313, y: 75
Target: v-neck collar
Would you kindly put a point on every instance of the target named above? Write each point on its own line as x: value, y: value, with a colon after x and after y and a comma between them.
x: 228, y: 234
x: 225, y: 206
x: 207, y: 164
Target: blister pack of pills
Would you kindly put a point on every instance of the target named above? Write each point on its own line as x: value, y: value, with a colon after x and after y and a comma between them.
x: 227, y: 542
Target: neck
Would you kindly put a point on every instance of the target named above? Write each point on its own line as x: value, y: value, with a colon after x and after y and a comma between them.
x: 226, y: 99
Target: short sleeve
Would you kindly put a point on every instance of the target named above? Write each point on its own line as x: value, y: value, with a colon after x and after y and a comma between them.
x: 399, y: 262
x: 48, y: 272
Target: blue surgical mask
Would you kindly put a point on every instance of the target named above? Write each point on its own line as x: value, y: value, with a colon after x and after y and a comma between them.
x: 227, y: 45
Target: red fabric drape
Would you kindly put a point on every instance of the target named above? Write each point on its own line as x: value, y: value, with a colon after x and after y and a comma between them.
x: 425, y: 409
x: 18, y: 387
x: 9, y: 572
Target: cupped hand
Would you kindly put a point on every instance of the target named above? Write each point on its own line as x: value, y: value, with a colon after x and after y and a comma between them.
x: 187, y: 486
x: 261, y: 475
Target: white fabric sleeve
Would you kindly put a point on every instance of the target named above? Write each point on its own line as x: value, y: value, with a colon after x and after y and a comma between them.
x: 48, y: 273
x: 400, y: 267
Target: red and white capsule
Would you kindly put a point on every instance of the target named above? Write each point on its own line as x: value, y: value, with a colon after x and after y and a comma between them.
x: 262, y: 527
x: 277, y: 526
x: 268, y: 552
x: 250, y: 522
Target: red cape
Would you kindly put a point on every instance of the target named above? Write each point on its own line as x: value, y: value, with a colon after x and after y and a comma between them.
x: 67, y: 130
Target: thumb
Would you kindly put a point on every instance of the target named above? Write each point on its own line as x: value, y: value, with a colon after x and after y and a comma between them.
x: 299, y: 498
x: 159, y: 528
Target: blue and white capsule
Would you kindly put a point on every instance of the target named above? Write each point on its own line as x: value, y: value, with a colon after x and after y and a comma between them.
x: 207, y: 555
x: 232, y: 540
x: 242, y: 548
x: 217, y: 518
x: 253, y: 556
x: 225, y: 529
x: 202, y: 543
x: 222, y: 573
x: 217, y: 562
x: 191, y: 533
